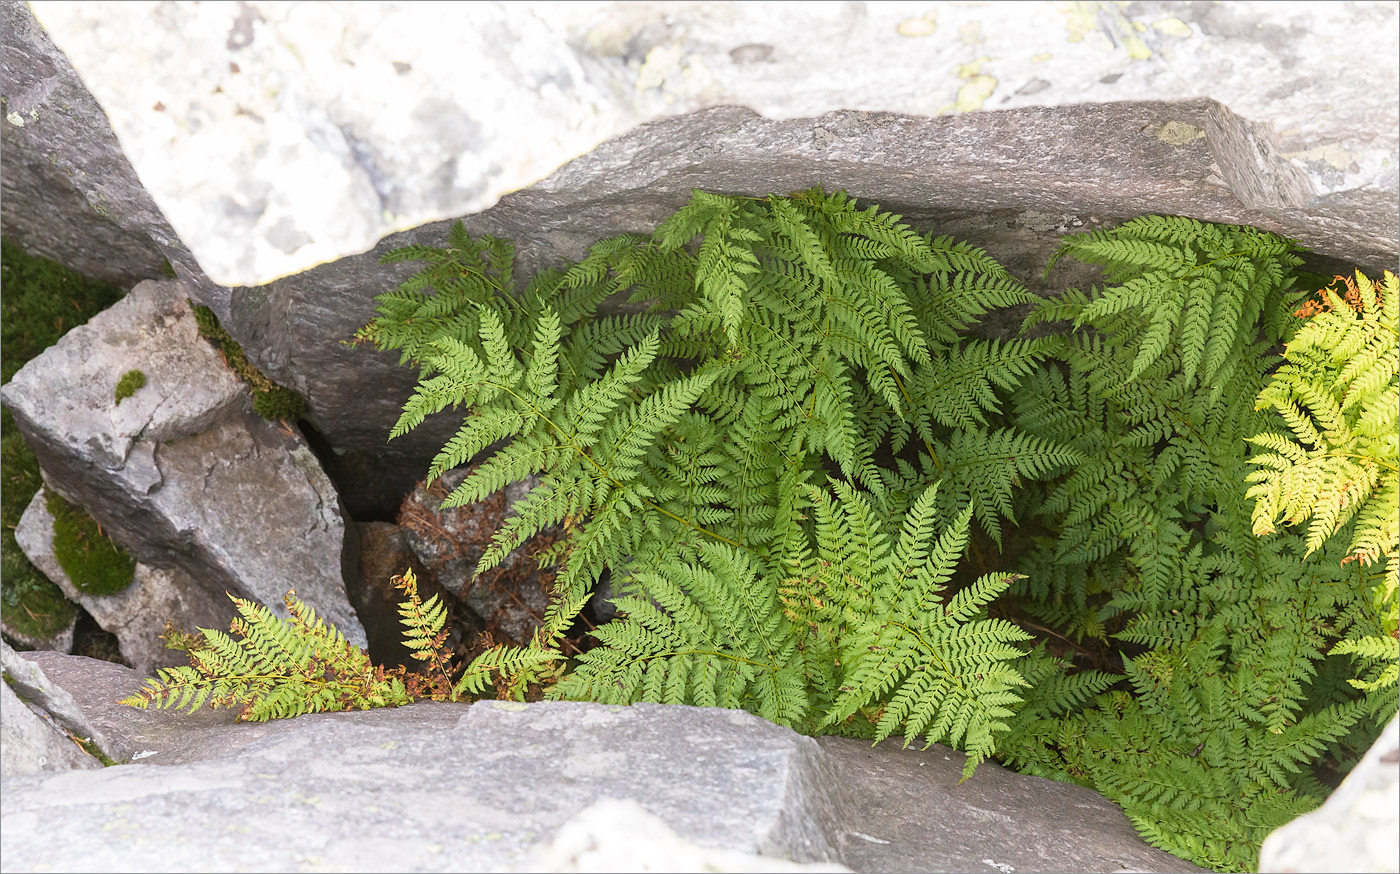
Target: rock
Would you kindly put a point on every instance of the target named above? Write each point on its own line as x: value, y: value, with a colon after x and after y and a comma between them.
x: 1101, y: 114
x: 385, y: 554
x: 30, y: 745
x: 1355, y: 828
x: 182, y: 474
x: 138, y: 614
x: 277, y: 137
x: 510, y: 598
x: 621, y: 835
x: 37, y: 728
x: 70, y: 194
x: 478, y: 787
x: 61, y: 642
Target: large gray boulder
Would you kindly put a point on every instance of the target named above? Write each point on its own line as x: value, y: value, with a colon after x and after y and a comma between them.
x: 1004, y: 125
x: 138, y: 614
x: 500, y: 784
x: 277, y: 137
x: 182, y: 474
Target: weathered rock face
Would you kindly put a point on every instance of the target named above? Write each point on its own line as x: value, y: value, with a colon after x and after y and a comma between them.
x: 181, y: 473
x: 1101, y: 113
x: 479, y: 787
x: 138, y: 614
x: 70, y: 194
x: 279, y: 137
x: 35, y: 729
x: 1355, y: 829
x: 510, y: 598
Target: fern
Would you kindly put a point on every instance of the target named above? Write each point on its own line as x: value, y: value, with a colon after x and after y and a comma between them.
x: 780, y: 456
x: 275, y: 668
x: 1338, y: 394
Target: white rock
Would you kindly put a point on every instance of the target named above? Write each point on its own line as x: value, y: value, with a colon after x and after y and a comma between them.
x: 1355, y: 830
x: 278, y: 136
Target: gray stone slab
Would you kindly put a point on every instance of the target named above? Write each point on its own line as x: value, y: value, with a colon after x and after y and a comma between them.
x: 904, y: 810
x: 425, y: 788
x: 30, y: 744
x: 500, y: 784
x: 182, y: 474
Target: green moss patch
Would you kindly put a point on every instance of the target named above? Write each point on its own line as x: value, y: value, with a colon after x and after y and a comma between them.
x: 42, y: 299
x: 270, y: 400
x: 91, y: 560
x: 39, y: 301
x: 128, y: 385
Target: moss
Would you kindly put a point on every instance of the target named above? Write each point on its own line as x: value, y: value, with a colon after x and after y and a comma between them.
x: 91, y: 560
x: 128, y: 385
x: 39, y: 301
x: 270, y: 400
x: 167, y: 269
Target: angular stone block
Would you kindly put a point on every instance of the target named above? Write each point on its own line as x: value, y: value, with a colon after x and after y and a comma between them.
x: 181, y: 473
x: 138, y: 614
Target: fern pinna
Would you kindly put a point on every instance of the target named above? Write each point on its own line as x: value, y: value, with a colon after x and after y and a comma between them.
x: 782, y: 458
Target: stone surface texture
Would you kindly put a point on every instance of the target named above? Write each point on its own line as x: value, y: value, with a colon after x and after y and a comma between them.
x: 30, y: 744
x: 277, y: 136
x: 510, y: 598
x: 1356, y: 828
x: 138, y: 614
x: 498, y: 785
x: 182, y: 474
x: 1007, y: 125
x: 69, y: 193
x: 37, y: 718
x: 613, y: 835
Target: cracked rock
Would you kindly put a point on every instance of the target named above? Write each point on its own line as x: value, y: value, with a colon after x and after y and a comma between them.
x: 138, y: 614
x: 182, y: 474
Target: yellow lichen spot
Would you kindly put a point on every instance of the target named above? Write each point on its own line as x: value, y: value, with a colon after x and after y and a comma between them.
x: 971, y: 69
x: 971, y: 33
x: 1041, y: 57
x: 924, y: 26
x: 1080, y: 19
x: 660, y: 63
x: 1332, y: 153
x: 1173, y: 27
x: 510, y: 706
x: 1179, y: 133
x: 1139, y: 27
x: 15, y: 119
x: 972, y: 95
